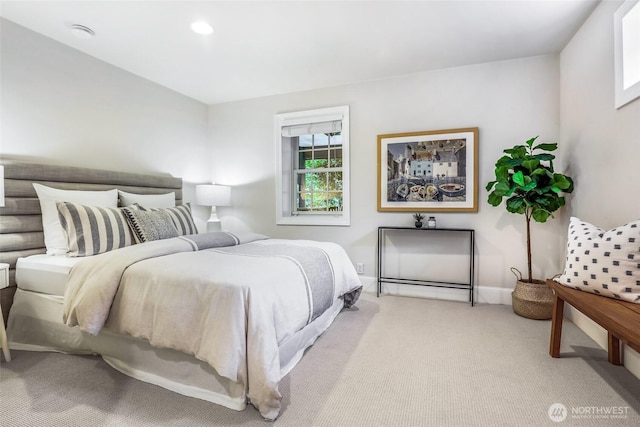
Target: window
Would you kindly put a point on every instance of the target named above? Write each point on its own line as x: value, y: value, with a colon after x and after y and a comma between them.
x: 313, y: 167
x: 627, y: 52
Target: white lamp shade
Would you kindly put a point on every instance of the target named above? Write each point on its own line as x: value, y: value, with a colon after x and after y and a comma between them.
x: 213, y: 195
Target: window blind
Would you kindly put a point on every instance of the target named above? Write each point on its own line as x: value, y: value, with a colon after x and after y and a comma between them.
x: 332, y: 126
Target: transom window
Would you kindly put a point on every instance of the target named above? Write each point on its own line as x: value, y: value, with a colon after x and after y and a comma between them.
x: 627, y: 52
x: 313, y: 167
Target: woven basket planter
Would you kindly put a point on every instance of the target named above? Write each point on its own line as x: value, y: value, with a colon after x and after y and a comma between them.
x: 532, y: 300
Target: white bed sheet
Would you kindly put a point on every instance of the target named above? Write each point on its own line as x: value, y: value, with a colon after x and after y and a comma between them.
x: 46, y: 274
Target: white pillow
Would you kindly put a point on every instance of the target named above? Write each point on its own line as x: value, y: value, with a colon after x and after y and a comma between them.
x: 167, y: 200
x: 54, y: 235
x: 604, y: 262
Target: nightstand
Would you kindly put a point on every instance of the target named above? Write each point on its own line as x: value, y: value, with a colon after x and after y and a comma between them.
x: 4, y: 282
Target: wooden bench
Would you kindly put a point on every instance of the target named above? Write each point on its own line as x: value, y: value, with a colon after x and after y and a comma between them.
x: 621, y: 319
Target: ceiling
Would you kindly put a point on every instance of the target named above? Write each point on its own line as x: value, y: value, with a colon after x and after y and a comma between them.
x: 262, y: 48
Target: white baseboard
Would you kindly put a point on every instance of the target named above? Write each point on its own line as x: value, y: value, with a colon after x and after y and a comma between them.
x: 599, y: 335
x: 483, y: 294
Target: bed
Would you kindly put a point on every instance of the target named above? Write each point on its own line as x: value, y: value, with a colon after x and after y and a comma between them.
x: 217, y: 316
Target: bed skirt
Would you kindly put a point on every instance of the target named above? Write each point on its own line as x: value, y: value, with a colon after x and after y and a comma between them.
x: 35, y: 324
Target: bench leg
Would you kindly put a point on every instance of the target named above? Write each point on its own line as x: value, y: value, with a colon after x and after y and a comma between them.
x: 556, y: 326
x: 613, y: 346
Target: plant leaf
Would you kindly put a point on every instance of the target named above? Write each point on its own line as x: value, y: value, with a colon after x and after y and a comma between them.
x: 544, y: 156
x: 515, y: 149
x: 561, y: 181
x: 508, y: 162
x: 501, y: 188
x: 516, y: 205
x: 539, y: 171
x: 531, y: 164
x: 551, y: 146
x: 518, y: 178
x: 502, y: 173
x: 570, y: 189
x: 494, y: 199
x: 540, y: 215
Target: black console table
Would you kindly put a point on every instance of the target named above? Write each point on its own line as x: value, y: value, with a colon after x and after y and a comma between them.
x: 384, y: 279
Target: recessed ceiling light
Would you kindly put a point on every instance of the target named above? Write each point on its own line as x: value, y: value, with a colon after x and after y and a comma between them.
x: 82, y: 32
x: 202, y: 27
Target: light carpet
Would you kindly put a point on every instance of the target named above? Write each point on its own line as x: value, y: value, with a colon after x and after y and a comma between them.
x: 391, y: 361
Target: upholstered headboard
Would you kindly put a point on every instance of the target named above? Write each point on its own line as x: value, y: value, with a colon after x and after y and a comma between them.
x: 21, y: 220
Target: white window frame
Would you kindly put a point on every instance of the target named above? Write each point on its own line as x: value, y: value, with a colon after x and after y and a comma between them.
x: 285, y: 174
x: 626, y: 54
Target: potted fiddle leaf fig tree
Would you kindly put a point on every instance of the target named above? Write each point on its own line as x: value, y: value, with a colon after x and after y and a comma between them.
x: 525, y: 177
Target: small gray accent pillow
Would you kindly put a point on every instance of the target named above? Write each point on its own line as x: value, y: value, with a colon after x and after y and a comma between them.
x: 604, y: 262
x: 181, y: 217
x: 149, y: 225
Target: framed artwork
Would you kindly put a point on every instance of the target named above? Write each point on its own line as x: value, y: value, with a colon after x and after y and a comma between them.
x: 430, y: 171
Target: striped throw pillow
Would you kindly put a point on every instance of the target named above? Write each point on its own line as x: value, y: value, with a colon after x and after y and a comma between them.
x: 93, y: 230
x: 181, y: 217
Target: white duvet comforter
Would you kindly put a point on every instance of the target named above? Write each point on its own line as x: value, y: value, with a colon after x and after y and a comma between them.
x: 230, y: 306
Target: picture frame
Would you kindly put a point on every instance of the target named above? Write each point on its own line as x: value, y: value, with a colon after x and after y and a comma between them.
x: 429, y: 171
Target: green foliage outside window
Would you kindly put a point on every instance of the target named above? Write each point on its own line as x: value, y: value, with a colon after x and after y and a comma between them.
x: 320, y: 190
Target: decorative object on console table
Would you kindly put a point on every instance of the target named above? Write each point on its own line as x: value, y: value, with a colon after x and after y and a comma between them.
x: 4, y: 282
x: 213, y: 195
x: 431, y: 222
x: 526, y: 178
x: 418, y: 217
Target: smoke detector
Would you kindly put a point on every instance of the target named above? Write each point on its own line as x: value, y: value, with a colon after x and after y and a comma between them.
x: 81, y: 31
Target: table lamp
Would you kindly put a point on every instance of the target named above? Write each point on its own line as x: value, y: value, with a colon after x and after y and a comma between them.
x: 213, y: 195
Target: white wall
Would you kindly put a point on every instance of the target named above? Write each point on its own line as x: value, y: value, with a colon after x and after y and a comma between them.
x: 59, y: 105
x: 510, y: 101
x: 601, y: 144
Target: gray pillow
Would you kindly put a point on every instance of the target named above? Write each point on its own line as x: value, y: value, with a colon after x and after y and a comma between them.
x: 150, y: 225
x: 181, y: 217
